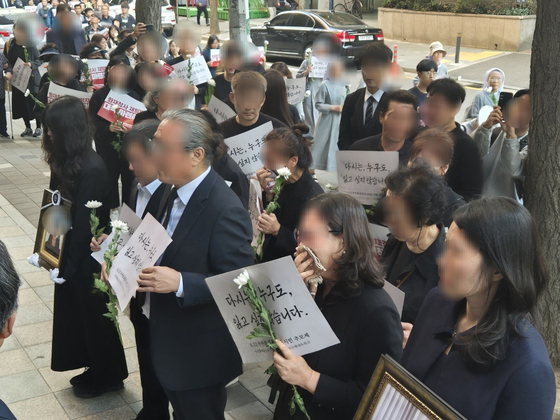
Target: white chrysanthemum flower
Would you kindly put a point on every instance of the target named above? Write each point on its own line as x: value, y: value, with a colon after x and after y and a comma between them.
x: 242, y: 279
x: 34, y: 260
x: 211, y: 82
x: 307, y: 93
x: 115, y: 108
x: 189, y: 56
x: 26, y: 94
x: 459, y: 77
x: 120, y: 226
x: 489, y: 89
x: 161, y: 62
x: 84, y: 60
x: 93, y: 204
x: 308, y: 51
x: 265, y: 42
x: 284, y: 172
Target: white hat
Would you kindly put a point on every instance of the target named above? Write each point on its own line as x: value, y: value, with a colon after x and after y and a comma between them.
x: 435, y: 47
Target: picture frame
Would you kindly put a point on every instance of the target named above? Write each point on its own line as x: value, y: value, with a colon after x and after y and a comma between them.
x: 49, y: 248
x: 393, y: 392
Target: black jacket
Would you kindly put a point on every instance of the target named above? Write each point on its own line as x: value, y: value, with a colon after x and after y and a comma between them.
x: 373, y: 144
x: 43, y: 95
x: 291, y: 201
x: 465, y: 172
x: 190, y: 343
x: 453, y: 202
x: 367, y: 326
x: 520, y: 387
x: 55, y: 36
x: 352, y: 120
x: 228, y: 169
x: 424, y: 273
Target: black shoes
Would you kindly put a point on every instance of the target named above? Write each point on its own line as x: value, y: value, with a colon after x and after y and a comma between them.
x: 28, y: 132
x: 5, y: 135
x: 38, y: 133
x: 84, y: 387
x: 82, y: 378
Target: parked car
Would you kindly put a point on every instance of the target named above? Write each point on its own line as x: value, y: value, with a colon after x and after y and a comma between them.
x: 7, y: 20
x: 167, y: 13
x: 290, y: 33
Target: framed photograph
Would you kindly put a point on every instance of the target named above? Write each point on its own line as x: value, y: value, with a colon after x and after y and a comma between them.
x: 394, y: 393
x: 50, y: 247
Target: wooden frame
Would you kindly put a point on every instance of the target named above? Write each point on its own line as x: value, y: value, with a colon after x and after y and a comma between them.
x: 394, y: 393
x: 50, y: 252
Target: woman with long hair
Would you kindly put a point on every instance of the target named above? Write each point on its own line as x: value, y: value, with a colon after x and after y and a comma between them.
x: 475, y: 341
x: 212, y: 44
x: 82, y: 336
x: 276, y: 103
x: 287, y: 73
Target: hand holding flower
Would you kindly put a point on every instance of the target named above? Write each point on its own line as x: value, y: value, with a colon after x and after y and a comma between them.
x: 159, y: 279
x: 95, y: 244
x: 268, y: 224
x: 294, y: 369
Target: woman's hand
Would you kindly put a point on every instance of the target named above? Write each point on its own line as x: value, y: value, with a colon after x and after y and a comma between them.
x: 263, y: 176
x: 104, y: 275
x: 308, y: 70
x: 116, y: 128
x: 495, y: 117
x: 268, y: 224
x: 27, y: 65
x: 336, y: 108
x: 8, y: 76
x: 304, y: 265
x: 90, y: 89
x: 294, y: 369
x: 407, y: 329
x: 95, y: 245
x: 195, y: 90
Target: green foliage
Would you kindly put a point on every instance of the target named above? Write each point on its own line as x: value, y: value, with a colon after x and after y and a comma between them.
x: 478, y: 7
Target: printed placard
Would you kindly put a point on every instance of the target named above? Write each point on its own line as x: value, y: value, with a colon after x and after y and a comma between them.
x: 128, y: 108
x: 379, y: 234
x: 361, y: 174
x: 256, y: 207
x: 214, y: 58
x: 56, y: 91
x: 20, y: 75
x: 295, y: 89
x: 245, y: 148
x: 319, y: 68
x: 296, y: 318
x: 199, y: 70
x: 96, y: 69
x: 220, y: 110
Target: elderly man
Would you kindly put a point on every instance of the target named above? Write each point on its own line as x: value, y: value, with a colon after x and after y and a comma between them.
x: 9, y: 286
x: 193, y: 353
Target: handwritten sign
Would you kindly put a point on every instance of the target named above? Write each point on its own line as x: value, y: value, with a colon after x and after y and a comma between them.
x: 296, y: 318
x: 220, y: 110
x: 362, y: 174
x: 214, y: 58
x: 132, y: 220
x: 31, y: 9
x: 56, y: 91
x: 128, y: 108
x: 96, y: 69
x: 20, y: 75
x: 199, y: 70
x: 379, y: 234
x: 142, y: 250
x: 319, y: 68
x: 295, y: 89
x: 256, y: 207
x: 245, y: 148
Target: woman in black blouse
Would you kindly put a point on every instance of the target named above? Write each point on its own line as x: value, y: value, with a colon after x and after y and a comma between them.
x: 362, y: 315
x: 475, y: 341
x: 276, y: 103
x: 285, y: 147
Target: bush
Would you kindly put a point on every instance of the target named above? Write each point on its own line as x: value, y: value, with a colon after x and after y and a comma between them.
x: 479, y: 7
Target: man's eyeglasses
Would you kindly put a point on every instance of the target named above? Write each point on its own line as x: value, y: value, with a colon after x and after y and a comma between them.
x: 430, y: 72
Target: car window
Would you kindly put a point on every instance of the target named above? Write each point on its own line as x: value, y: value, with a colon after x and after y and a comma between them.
x: 301, y: 20
x: 338, y: 19
x: 280, y: 20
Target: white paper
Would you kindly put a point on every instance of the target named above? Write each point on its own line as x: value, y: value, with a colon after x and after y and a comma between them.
x: 30, y: 9
x: 361, y: 174
x: 132, y: 220
x: 296, y: 318
x: 295, y: 89
x: 142, y: 250
x: 396, y: 294
x: 245, y: 148
x: 220, y: 110
x: 215, y: 56
x: 379, y: 234
x: 56, y: 91
x: 319, y: 68
x: 200, y: 73
x: 256, y: 207
x: 20, y: 75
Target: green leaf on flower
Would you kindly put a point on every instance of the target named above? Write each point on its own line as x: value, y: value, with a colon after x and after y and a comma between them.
x: 100, y: 285
x: 271, y: 370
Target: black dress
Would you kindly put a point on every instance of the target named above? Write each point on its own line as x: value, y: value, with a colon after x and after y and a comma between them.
x: 82, y: 336
x: 116, y: 164
x: 291, y: 201
x: 367, y: 326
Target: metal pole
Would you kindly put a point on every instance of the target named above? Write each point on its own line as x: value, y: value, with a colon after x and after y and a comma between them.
x: 458, y: 48
x: 10, y: 107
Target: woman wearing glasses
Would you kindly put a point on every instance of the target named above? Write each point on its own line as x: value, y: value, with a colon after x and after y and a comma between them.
x: 427, y: 73
x: 490, y: 94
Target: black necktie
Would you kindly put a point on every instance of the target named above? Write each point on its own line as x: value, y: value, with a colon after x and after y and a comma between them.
x: 172, y: 196
x: 369, y: 114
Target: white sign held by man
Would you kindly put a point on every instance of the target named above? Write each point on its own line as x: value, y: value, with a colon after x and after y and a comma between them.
x: 56, y: 91
x: 361, y: 174
x: 256, y: 207
x: 319, y: 68
x: 245, y: 148
x: 142, y: 250
x: 296, y: 318
x: 295, y: 88
x: 199, y: 72
x: 20, y: 75
x: 220, y: 110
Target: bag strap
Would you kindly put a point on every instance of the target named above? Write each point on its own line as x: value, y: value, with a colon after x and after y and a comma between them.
x: 404, y: 279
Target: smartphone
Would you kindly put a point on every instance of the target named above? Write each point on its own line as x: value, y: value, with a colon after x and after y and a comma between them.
x: 505, y: 97
x: 149, y: 28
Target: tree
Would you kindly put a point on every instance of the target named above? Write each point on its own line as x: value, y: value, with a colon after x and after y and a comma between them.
x: 543, y: 161
x: 214, y: 24
x: 149, y: 13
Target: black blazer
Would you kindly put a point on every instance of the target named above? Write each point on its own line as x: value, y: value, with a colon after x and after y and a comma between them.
x: 191, y: 345
x: 79, y: 39
x: 520, y: 387
x: 228, y: 169
x: 352, y: 120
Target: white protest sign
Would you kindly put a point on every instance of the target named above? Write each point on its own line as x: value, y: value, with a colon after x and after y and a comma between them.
x: 379, y: 234
x: 245, y: 148
x: 319, y: 68
x: 220, y: 110
x: 295, y: 88
x: 20, y: 75
x: 55, y: 91
x: 296, y: 318
x: 361, y: 174
x: 30, y: 9
x: 142, y: 250
x: 256, y: 207
x: 132, y: 220
x: 199, y: 73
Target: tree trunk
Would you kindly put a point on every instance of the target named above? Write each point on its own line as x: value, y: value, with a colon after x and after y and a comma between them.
x: 214, y: 23
x: 543, y: 162
x: 149, y: 13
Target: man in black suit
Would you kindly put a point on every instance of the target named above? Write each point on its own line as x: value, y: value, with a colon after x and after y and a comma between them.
x: 67, y: 34
x: 360, y: 116
x: 193, y: 353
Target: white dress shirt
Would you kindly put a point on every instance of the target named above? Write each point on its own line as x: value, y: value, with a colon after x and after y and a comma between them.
x: 377, y: 96
x: 144, y: 194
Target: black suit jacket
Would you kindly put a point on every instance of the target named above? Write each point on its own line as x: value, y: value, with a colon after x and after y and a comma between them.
x: 352, y: 120
x: 191, y: 345
x: 79, y: 39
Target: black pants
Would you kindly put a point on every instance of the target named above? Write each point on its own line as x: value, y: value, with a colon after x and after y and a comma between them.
x: 117, y: 166
x: 197, y: 404
x: 3, y: 121
x: 28, y: 116
x: 155, y: 405
x: 200, y: 11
